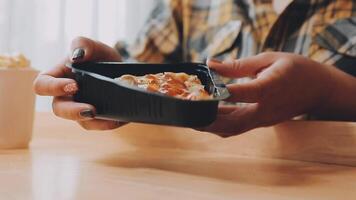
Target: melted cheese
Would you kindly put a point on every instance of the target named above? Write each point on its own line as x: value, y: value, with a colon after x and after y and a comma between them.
x: 179, y: 85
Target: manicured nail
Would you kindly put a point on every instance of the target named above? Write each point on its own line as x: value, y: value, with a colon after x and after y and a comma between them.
x: 71, y: 88
x: 78, y: 54
x: 214, y: 60
x: 89, y: 114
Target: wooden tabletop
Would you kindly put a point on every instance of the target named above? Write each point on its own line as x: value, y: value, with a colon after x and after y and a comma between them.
x: 295, y: 160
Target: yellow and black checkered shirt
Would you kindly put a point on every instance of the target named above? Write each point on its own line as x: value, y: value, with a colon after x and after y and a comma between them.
x: 193, y: 30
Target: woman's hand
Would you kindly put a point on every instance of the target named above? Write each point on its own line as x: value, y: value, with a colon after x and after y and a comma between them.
x: 58, y: 82
x: 284, y: 86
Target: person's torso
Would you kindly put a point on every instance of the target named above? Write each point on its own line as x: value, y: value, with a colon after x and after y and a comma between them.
x: 323, y: 30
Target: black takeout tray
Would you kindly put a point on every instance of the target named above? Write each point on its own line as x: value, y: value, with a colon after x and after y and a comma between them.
x: 123, y: 103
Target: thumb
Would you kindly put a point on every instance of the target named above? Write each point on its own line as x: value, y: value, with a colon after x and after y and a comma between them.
x: 244, y: 67
x: 85, y: 49
x: 240, y: 120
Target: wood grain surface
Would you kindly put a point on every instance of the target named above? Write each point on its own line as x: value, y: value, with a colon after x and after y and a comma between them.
x: 153, y: 162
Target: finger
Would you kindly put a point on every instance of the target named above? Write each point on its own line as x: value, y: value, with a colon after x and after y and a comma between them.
x: 56, y: 82
x: 46, y: 85
x: 101, y: 124
x: 66, y: 108
x: 224, y: 110
x: 245, y: 67
x: 240, y: 120
x: 85, y: 49
x: 249, y: 92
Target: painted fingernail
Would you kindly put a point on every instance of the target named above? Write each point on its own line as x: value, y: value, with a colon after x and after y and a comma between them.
x: 78, y: 54
x: 70, y: 88
x: 89, y: 114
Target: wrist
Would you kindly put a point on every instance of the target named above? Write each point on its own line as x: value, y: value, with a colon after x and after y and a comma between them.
x: 339, y: 102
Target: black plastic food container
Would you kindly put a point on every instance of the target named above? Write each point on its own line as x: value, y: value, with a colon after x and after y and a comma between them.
x: 117, y: 102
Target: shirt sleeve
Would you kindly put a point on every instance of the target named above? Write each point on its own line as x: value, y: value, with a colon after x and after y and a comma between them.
x: 337, y: 45
x: 159, y: 39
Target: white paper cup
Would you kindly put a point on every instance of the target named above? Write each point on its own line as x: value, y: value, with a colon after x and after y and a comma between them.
x: 17, y: 107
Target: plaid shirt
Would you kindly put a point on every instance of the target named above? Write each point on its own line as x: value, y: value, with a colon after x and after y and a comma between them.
x: 193, y: 30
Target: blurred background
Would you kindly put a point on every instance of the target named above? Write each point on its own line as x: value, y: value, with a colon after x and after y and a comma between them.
x: 43, y: 29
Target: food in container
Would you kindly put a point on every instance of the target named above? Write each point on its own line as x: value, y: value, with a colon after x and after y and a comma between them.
x: 106, y: 86
x: 180, y: 85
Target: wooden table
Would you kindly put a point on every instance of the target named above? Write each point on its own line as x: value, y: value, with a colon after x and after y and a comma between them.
x: 295, y: 160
